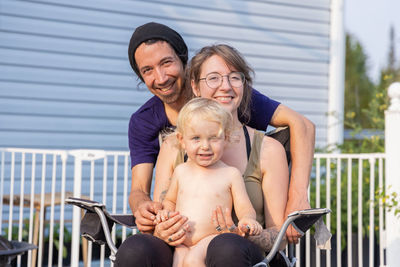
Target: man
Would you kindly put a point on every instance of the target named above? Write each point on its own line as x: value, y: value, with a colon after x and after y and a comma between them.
x: 158, y: 55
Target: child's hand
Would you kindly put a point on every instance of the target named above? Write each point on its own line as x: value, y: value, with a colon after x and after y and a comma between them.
x: 250, y: 226
x: 162, y: 216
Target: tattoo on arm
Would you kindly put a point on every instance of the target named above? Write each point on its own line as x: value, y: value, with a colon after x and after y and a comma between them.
x: 266, y: 239
x: 164, y: 192
x: 162, y: 195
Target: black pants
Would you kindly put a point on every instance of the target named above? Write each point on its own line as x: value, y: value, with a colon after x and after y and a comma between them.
x: 224, y: 250
x: 144, y: 250
x: 232, y: 250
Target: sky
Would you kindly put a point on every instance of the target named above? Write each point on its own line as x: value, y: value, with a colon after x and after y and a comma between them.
x: 369, y: 21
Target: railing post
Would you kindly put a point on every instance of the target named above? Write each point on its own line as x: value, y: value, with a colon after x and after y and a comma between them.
x: 76, y: 215
x: 336, y: 74
x: 392, y: 150
x: 80, y: 156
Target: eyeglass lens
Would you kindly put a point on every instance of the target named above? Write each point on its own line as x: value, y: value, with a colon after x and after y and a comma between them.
x: 214, y: 80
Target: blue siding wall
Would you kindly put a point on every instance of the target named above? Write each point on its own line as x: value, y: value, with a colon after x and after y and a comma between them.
x: 65, y: 79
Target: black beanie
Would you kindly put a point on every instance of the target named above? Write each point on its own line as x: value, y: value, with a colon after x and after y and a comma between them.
x: 154, y: 30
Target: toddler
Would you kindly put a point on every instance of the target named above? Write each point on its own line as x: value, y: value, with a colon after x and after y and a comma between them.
x: 204, y: 182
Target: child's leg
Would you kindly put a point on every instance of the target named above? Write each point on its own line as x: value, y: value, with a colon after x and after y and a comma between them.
x: 197, y: 253
x: 179, y: 255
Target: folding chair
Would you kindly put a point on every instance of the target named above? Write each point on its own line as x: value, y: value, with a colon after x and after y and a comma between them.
x: 10, y: 249
x: 302, y: 221
x: 97, y: 223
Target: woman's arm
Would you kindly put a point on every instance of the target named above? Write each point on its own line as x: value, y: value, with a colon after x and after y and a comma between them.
x: 275, y: 184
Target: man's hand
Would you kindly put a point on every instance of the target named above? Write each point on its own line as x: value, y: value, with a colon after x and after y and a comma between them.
x: 295, y: 202
x: 146, y: 214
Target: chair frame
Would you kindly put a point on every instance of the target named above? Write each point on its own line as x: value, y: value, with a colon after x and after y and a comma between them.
x: 104, y: 219
x: 310, y: 216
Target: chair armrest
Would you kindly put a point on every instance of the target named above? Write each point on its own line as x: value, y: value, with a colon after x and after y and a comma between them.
x: 85, y: 204
x: 302, y: 221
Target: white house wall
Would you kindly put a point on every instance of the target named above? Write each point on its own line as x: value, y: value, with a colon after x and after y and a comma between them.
x: 65, y: 79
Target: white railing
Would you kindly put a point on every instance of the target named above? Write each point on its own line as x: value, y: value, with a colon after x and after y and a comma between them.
x: 43, y: 179
x: 345, y: 183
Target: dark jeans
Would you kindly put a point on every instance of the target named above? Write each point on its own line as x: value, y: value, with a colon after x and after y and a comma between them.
x: 224, y: 250
x: 232, y: 250
x: 144, y: 250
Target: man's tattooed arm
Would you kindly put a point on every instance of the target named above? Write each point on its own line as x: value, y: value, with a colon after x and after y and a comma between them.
x: 266, y: 239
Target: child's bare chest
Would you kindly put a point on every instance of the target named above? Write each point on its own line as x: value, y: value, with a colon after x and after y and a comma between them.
x: 198, y: 197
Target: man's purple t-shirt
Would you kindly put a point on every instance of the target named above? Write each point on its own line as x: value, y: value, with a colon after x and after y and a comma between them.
x: 146, y: 123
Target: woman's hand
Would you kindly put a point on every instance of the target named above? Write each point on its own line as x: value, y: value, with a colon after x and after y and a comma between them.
x: 224, y: 224
x: 173, y: 230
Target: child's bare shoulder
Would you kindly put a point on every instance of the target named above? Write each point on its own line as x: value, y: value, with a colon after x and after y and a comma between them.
x: 181, y: 169
x: 231, y: 171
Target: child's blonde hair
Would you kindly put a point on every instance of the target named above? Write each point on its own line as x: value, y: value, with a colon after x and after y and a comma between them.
x: 207, y: 109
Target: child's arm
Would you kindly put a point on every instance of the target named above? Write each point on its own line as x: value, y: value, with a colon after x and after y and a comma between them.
x: 164, y: 168
x: 169, y: 202
x: 243, y: 207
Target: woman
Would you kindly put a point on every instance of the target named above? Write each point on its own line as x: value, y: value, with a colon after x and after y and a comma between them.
x: 219, y: 72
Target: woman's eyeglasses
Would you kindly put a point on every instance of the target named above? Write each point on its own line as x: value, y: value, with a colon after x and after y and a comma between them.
x: 214, y: 79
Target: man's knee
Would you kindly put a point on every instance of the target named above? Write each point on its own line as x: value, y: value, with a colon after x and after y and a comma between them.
x: 139, y: 250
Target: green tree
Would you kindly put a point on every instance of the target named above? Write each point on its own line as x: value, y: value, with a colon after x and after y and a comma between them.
x: 373, y: 110
x: 372, y: 118
x: 365, y: 104
x: 389, y: 74
x: 358, y: 86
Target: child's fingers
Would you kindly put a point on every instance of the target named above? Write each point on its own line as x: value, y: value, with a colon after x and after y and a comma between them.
x: 257, y: 229
x: 158, y: 218
x: 251, y: 228
x: 245, y: 228
x: 163, y: 216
